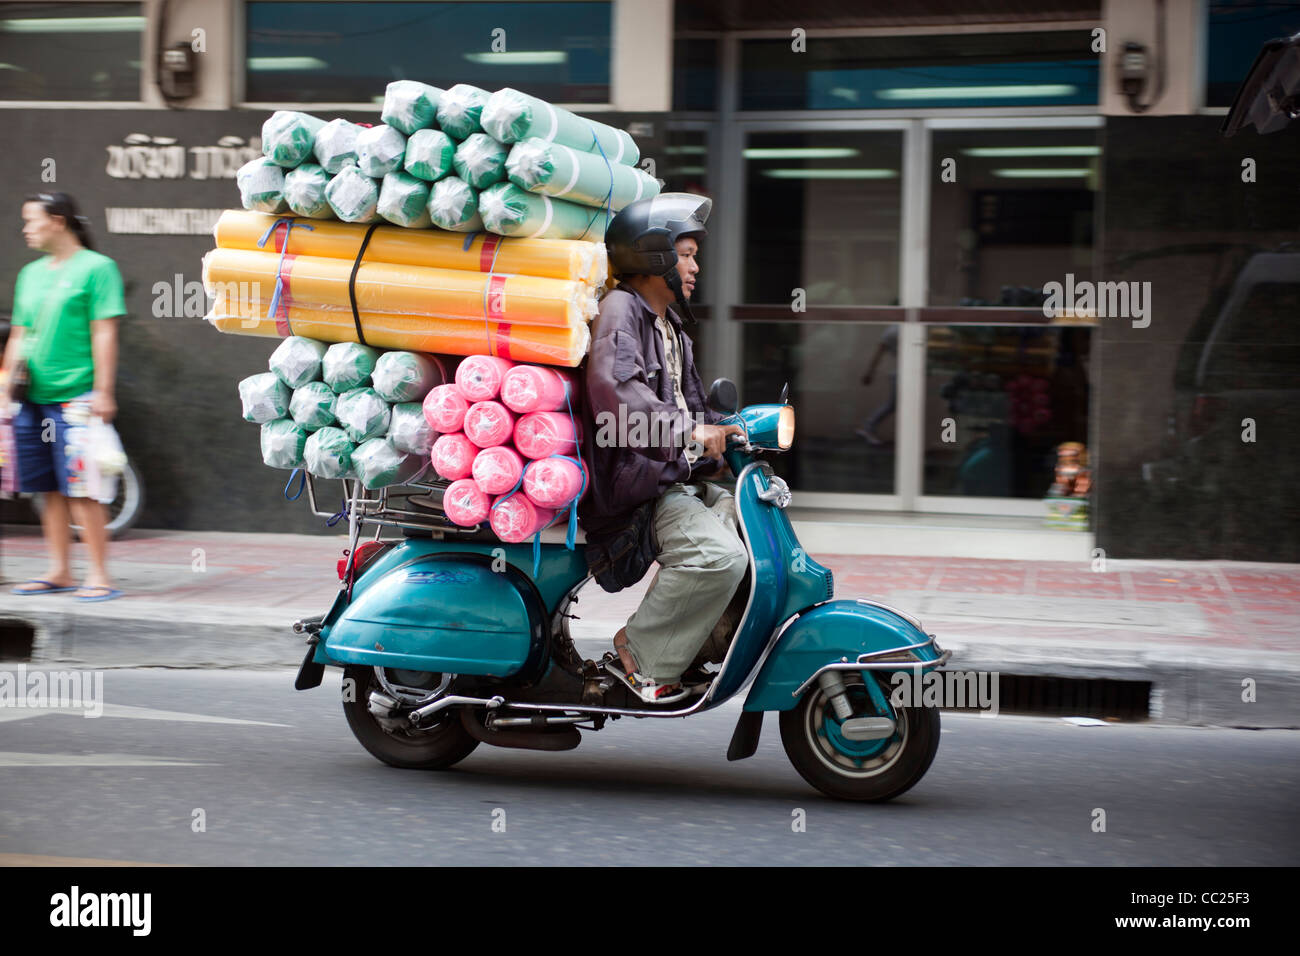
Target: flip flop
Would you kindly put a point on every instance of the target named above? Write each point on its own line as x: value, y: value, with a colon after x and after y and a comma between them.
x: 112, y: 593
x: 648, y: 691
x: 49, y: 588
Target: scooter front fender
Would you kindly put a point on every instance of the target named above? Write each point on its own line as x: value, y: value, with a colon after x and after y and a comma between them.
x: 836, y: 632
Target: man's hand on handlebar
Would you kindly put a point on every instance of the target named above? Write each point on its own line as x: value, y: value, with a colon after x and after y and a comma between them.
x: 714, y: 438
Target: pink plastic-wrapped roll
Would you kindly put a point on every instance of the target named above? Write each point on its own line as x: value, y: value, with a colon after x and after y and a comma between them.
x: 488, y: 424
x: 537, y: 388
x: 453, y: 456
x: 543, y: 434
x: 479, y: 376
x: 444, y: 409
x: 516, y: 519
x: 465, y: 503
x: 497, y: 469
x: 553, y: 482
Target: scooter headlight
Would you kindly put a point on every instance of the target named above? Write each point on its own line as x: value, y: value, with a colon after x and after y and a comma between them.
x: 785, y: 427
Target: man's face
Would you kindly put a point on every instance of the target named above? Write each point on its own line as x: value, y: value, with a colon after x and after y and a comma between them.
x: 39, y: 228
x: 687, y: 266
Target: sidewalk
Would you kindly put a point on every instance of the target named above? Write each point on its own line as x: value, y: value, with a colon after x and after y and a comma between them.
x: 1196, y: 630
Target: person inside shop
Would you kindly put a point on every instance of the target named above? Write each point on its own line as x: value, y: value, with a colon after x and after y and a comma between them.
x: 648, y: 481
x: 62, y: 352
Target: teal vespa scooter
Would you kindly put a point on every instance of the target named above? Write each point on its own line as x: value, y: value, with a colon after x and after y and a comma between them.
x: 450, y: 638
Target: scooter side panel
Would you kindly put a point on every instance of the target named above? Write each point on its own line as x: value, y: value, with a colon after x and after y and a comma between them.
x: 443, y: 613
x: 823, y: 635
x: 787, y: 581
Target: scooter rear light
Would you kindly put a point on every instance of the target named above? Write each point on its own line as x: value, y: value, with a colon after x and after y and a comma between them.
x: 365, y: 554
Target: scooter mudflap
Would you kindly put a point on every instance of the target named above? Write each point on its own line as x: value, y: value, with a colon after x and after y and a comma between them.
x: 310, y: 674
x: 867, y: 728
x: 744, y: 740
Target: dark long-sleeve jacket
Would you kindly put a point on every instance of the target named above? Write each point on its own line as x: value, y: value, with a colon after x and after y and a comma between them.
x: 634, y: 434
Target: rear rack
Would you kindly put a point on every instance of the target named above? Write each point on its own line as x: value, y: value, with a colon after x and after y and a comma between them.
x: 390, y: 508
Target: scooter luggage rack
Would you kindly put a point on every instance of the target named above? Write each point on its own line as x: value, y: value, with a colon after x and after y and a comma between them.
x: 382, y: 510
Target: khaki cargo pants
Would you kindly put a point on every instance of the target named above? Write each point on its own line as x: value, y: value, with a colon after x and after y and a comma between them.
x: 701, y: 562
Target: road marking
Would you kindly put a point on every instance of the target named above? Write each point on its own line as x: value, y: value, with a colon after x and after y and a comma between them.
x: 29, y: 859
x: 16, y: 759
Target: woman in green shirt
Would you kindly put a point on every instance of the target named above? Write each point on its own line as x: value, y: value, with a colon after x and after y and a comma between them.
x: 66, y: 307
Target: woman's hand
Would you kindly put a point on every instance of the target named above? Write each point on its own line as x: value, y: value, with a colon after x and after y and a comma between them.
x: 102, y: 404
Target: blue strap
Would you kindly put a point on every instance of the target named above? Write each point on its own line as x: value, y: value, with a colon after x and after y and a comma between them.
x: 609, y: 196
x: 339, y: 515
x: 289, y: 223
x: 469, y: 240
x: 301, y: 484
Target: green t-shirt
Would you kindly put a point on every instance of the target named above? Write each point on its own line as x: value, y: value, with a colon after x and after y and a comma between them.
x: 56, y: 304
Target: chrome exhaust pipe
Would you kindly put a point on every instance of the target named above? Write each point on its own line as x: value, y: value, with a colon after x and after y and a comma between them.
x: 417, y: 716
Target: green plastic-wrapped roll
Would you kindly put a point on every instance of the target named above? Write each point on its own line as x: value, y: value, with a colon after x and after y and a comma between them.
x: 353, y: 196
x: 409, y: 106
x: 429, y: 154
x: 312, y: 406
x: 404, y: 376
x: 297, y: 360
x: 509, y: 211
x: 283, y: 443
x: 328, y: 453
x: 511, y: 116
x: 380, y: 150
x: 363, y: 414
x: 459, y: 109
x: 347, y: 365
x: 378, y: 464
x: 453, y: 204
x: 287, y: 137
x: 261, y: 186
x: 264, y: 398
x: 404, y: 200
x: 335, y: 146
x: 480, y: 160
x: 563, y: 172
x: 409, y: 430
x: 304, y: 191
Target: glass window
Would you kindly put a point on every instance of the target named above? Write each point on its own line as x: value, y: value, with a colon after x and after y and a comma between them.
x: 70, y: 51
x: 1237, y: 29
x: 822, y: 214
x: 695, y: 73
x: 998, y: 400
x: 914, y: 72
x: 1010, y: 210
x: 349, y: 52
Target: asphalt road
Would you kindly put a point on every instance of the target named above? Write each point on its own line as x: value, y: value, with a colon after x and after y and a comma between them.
x: 280, y: 780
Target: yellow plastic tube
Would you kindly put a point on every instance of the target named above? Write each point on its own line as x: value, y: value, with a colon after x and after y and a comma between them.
x: 399, y: 289
x: 521, y: 343
x: 549, y: 258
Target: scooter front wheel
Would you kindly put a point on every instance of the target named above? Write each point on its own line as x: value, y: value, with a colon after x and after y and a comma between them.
x: 866, y: 770
x: 436, y: 748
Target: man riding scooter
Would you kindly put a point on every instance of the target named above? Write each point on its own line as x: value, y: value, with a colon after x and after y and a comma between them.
x: 651, y: 441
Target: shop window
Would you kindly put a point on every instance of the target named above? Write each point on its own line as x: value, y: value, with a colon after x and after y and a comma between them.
x: 916, y: 72
x: 349, y: 52
x: 1236, y: 31
x: 71, y: 51
x: 695, y: 74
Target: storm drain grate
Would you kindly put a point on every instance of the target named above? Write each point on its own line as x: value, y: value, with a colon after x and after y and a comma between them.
x: 16, y: 640
x: 1074, y: 697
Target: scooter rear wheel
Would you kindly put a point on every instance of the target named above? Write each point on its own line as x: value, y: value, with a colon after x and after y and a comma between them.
x: 867, y: 770
x: 437, y: 748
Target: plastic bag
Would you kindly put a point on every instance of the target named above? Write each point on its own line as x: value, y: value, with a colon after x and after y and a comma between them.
x: 378, y: 464
x: 429, y: 154
x: 328, y: 453
x: 312, y: 406
x: 261, y: 186
x: 409, y: 431
x: 288, y: 136
x: 347, y: 365
x: 264, y: 397
x: 297, y: 360
x: 481, y: 161
x: 404, y: 376
x: 363, y: 414
x: 459, y: 109
x: 282, y: 444
x: 353, y: 196
x: 304, y: 191
x: 380, y: 150
x: 510, y: 211
x: 511, y: 116
x: 404, y: 200
x: 453, y: 205
x: 335, y: 145
x: 96, y: 444
x: 410, y: 106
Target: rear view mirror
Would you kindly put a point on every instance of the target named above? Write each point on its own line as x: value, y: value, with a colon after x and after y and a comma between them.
x: 723, y: 396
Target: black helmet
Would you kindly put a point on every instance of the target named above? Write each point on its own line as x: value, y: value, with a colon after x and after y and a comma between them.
x: 642, y: 237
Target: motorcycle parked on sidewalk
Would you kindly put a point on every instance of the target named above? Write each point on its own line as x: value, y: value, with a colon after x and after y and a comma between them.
x: 455, y: 639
